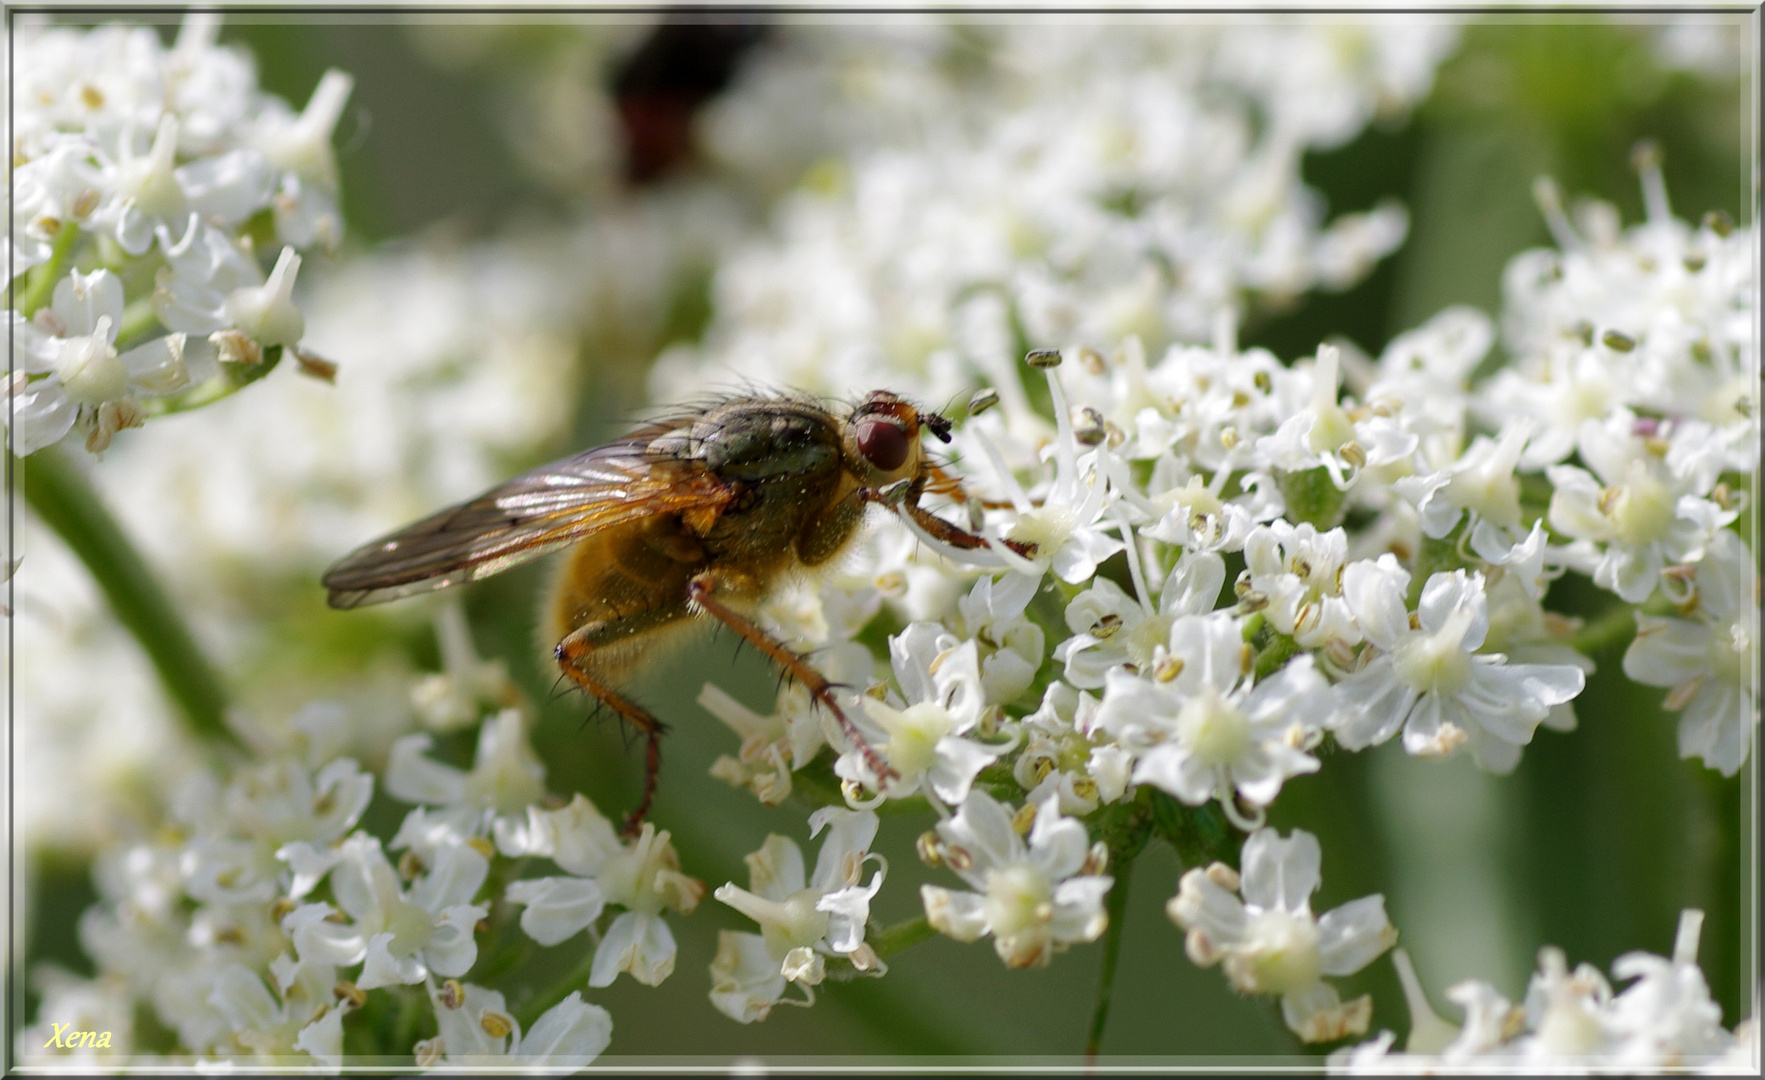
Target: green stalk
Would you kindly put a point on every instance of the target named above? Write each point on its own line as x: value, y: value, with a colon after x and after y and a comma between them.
x: 577, y: 979
x: 1605, y: 630
x: 902, y: 936
x: 41, y: 286
x: 1117, y: 907
x: 66, y: 502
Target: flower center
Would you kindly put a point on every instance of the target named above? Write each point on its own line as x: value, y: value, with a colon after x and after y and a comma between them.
x: 1437, y: 663
x: 1282, y: 952
x: 793, y: 922
x: 89, y: 369
x: 914, y: 735
x: 1019, y: 897
x: 411, y: 927
x: 1213, y: 729
x: 1047, y: 527
x: 1642, y: 510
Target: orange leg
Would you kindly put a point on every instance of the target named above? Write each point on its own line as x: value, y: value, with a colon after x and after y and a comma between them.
x: 942, y: 483
x: 953, y: 535
x: 701, y: 593
x: 570, y: 653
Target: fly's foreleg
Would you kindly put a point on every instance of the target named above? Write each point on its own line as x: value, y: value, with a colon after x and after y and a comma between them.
x: 701, y: 592
x: 953, y: 535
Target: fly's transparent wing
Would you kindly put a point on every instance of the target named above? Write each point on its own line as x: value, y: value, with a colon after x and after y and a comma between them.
x: 531, y: 515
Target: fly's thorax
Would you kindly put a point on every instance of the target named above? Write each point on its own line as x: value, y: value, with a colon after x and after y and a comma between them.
x: 754, y: 440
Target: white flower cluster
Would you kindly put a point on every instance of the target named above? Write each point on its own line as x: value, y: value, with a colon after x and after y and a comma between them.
x: 1571, y: 1021
x: 264, y: 916
x: 1058, y: 180
x: 147, y: 187
x: 1398, y: 537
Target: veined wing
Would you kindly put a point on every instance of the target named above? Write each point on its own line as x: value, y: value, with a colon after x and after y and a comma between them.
x: 533, y: 514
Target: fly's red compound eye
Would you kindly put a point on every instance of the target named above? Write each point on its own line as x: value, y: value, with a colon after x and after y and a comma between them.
x: 882, y: 442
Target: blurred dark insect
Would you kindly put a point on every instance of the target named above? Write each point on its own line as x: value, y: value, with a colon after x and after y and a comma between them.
x: 685, y: 62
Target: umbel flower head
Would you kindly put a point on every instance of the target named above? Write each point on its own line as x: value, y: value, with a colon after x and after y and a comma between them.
x: 1571, y: 1021
x: 155, y: 164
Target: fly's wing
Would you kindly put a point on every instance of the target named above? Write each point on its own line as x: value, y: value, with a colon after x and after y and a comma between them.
x: 535, y: 513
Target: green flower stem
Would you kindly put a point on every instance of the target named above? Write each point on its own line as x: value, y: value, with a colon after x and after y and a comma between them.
x: 1116, y: 905
x: 885, y: 942
x: 138, y: 318
x: 902, y: 936
x: 1605, y: 630
x: 40, y: 287
x: 577, y: 979
x: 66, y: 502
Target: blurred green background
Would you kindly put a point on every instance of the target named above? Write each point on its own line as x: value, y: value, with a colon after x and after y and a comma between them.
x: 1594, y: 844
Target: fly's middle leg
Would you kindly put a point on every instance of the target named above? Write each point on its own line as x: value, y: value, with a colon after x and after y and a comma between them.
x: 702, y: 590
x: 574, y: 655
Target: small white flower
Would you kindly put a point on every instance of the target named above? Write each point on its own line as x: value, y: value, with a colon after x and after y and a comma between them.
x: 1112, y: 631
x: 1324, y: 434
x: 643, y: 877
x: 1648, y: 509
x: 1201, y: 726
x: 476, y: 1028
x: 1298, y: 572
x: 1060, y: 757
x: 1069, y: 527
x: 801, y: 923
x: 924, y: 742
x: 81, y: 379
x: 1035, y: 899
x: 1429, y: 681
x: 1260, y: 925
x: 506, y: 777
x: 1570, y: 1021
x: 1709, y: 661
x: 401, y: 934
x: 1480, y: 483
x: 458, y: 694
x: 302, y: 1014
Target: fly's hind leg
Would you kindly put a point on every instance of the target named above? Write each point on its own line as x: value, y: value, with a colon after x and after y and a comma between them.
x: 574, y: 654
x: 701, y: 591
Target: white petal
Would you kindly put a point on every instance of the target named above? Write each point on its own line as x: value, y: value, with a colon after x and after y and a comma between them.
x: 851, y: 835
x: 1171, y: 768
x: 1280, y: 873
x: 310, y: 865
x: 319, y: 940
x: 745, y: 977
x: 452, y: 950
x: 42, y: 415
x: 558, y: 908
x: 1667, y: 652
x: 457, y: 873
x: 1350, y: 936
x: 414, y: 778
x: 158, y: 366
x: 568, y: 1035
x: 636, y: 942
x: 961, y: 915
x: 958, y: 762
x: 384, y: 969
x: 323, y: 1038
